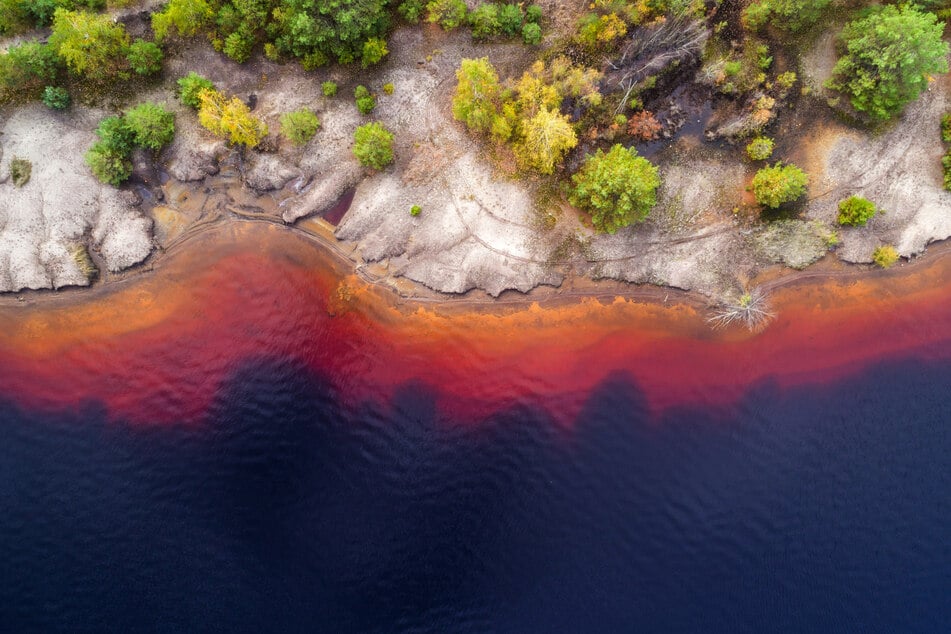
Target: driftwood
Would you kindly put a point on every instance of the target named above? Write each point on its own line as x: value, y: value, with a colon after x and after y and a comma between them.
x: 652, y: 48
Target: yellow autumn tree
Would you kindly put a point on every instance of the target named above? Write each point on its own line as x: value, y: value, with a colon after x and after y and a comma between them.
x: 546, y: 138
x: 230, y: 118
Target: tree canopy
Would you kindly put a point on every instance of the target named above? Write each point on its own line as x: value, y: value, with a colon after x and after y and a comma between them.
x: 778, y: 184
x: 618, y: 188
x: 887, y: 59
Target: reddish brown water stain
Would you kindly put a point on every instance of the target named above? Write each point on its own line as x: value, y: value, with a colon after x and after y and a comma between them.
x: 157, y: 348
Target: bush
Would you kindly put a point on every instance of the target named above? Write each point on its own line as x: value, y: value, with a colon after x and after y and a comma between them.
x: 190, y: 87
x: 329, y: 88
x: 185, y: 17
x: 449, y: 14
x: 239, y: 46
x: 374, y: 50
x: 533, y: 14
x: 789, y: 15
x: 885, y: 256
x: 299, y: 126
x: 116, y: 135
x: 946, y: 163
x: 145, y: 58
x: 484, y: 21
x: 20, y: 171
x: 56, y: 98
x: 531, y: 34
x: 618, y: 188
x: 946, y: 128
x: 366, y: 102
x: 26, y: 68
x: 152, y: 125
x: 108, y: 165
x: 855, y: 211
x: 388, y: 89
x: 760, y: 148
x: 415, y: 210
x: 510, y: 19
x: 773, y: 186
x: 373, y: 145
x: 888, y: 57
x: 411, y: 10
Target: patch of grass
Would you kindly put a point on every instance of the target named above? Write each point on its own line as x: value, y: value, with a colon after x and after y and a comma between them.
x: 20, y: 171
x: 84, y: 262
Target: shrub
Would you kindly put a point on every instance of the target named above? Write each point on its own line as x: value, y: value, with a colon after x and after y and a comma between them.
x: 299, y: 126
x: 116, y: 135
x: 190, y: 87
x: 644, y: 126
x: 760, y: 148
x: 152, y: 125
x: 618, y: 188
x: 373, y: 145
x: 56, y: 98
x: 533, y: 14
x: 789, y: 15
x: 510, y: 19
x: 411, y: 10
x: 888, y: 57
x: 366, y: 102
x: 329, y: 88
x: 20, y: 171
x: 26, y: 68
x: 108, y: 165
x: 415, y: 210
x: 484, y: 21
x: 855, y: 211
x: 773, y: 186
x: 946, y: 163
x: 374, y: 50
x: 388, y: 89
x: 449, y: 14
x: 885, y: 256
x: 946, y: 128
x: 145, y: 58
x: 185, y: 17
x: 239, y: 46
x: 531, y: 34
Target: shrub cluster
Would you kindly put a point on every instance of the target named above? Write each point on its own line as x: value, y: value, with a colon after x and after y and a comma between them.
x: 299, y: 126
x: 946, y: 159
x: 366, y: 102
x: 488, y: 20
x: 147, y: 125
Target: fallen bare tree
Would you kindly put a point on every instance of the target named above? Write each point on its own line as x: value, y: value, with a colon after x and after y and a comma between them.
x: 653, y: 48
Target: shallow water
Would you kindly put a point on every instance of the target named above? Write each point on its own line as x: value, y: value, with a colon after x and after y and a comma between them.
x: 248, y: 439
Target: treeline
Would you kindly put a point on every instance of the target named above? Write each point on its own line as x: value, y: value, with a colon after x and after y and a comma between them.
x: 320, y: 32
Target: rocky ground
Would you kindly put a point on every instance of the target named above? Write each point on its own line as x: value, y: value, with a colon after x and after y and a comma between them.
x: 479, y: 229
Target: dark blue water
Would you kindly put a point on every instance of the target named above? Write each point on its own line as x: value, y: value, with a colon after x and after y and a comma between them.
x: 813, y: 510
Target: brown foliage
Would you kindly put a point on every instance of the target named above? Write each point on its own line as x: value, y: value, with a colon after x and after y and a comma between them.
x: 644, y: 126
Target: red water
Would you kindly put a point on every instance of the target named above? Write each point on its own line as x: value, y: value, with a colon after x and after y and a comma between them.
x: 157, y: 347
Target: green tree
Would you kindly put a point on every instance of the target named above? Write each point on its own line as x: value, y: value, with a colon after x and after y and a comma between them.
x: 546, y: 138
x: 531, y: 34
x: 484, y: 21
x: 449, y: 14
x: 108, y: 165
x: 152, y: 125
x: 320, y: 30
x: 116, y: 135
x: 299, y: 126
x: 789, y: 15
x: 373, y: 145
x: 184, y: 17
x: 888, y: 56
x: 773, y: 186
x: 856, y: 211
x: 190, y: 88
x: 145, y: 58
x: 91, y: 46
x: 374, y: 50
x: 477, y: 93
x: 366, y: 102
x: 329, y: 88
x: 618, y: 188
x: 411, y: 10
x: 25, y: 69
